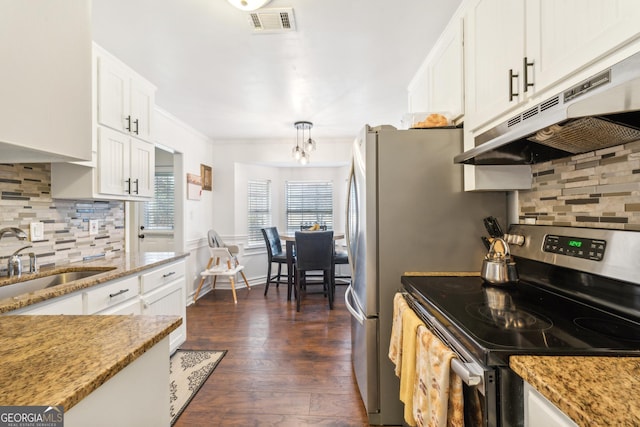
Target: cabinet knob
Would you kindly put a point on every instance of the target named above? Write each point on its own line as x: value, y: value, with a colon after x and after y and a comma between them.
x: 525, y: 69
x: 136, y: 183
x: 128, y: 127
x: 128, y: 181
x: 136, y: 122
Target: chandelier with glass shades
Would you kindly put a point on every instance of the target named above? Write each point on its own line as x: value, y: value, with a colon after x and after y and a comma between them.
x: 302, y: 151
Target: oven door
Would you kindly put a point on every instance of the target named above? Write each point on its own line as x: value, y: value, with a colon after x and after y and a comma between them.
x: 480, y: 382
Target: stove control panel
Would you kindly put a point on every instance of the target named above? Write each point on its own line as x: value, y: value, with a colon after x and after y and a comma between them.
x: 578, y: 247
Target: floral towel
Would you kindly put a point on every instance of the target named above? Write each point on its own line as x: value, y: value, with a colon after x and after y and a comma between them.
x: 437, y: 399
x: 395, y: 346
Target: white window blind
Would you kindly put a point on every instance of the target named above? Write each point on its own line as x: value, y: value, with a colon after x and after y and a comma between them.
x: 159, y: 212
x: 309, y: 202
x: 259, y: 210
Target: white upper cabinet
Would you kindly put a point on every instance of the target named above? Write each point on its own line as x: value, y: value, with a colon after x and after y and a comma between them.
x: 516, y: 50
x: 494, y: 54
x: 123, y: 162
x: 439, y: 86
x: 125, y: 165
x: 125, y: 100
x: 564, y: 36
x: 45, y: 80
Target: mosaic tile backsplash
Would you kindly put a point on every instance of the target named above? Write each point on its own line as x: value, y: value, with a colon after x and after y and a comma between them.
x: 599, y: 189
x: 25, y: 197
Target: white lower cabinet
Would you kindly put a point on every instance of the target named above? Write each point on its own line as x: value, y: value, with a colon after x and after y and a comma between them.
x: 540, y: 412
x: 163, y: 293
x: 136, y: 396
x: 111, y: 296
x: 157, y: 291
x: 68, y: 304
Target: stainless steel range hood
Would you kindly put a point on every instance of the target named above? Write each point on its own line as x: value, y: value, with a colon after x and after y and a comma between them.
x: 600, y: 112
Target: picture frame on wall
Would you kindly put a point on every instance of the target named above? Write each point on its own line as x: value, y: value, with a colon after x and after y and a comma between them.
x: 207, y: 177
x: 194, y: 187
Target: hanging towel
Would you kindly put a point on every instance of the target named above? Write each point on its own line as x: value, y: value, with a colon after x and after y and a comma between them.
x: 395, y: 344
x: 438, y: 399
x: 410, y: 323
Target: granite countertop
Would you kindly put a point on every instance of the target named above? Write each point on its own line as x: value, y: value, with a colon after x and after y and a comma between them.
x: 592, y: 391
x: 114, y: 267
x: 81, y: 354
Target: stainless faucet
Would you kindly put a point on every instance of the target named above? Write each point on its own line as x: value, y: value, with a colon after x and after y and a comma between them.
x: 21, y: 235
x: 14, y: 265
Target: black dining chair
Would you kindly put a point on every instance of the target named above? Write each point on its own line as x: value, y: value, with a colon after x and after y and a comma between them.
x: 341, y: 257
x: 275, y: 254
x: 314, y: 252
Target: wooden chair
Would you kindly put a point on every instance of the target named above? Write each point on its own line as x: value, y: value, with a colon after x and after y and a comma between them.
x: 228, y: 268
x: 314, y: 252
x: 215, y: 241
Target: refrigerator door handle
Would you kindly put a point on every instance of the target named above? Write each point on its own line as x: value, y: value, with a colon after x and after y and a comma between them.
x: 355, y: 313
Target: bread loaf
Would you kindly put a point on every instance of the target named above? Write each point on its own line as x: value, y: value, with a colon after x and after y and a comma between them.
x: 432, y: 121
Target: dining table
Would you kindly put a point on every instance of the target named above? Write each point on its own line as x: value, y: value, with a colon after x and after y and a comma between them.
x: 290, y: 243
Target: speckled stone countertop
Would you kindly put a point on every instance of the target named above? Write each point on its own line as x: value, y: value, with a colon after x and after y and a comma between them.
x: 114, y: 267
x: 592, y: 391
x: 59, y: 360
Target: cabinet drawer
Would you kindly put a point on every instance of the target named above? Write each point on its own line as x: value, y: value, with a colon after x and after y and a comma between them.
x: 110, y: 294
x: 69, y: 305
x: 161, y: 276
x: 133, y: 307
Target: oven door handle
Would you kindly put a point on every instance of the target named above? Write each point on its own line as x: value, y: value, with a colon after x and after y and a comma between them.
x: 468, y: 372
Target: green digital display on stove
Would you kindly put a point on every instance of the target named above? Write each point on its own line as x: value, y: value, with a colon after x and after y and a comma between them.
x: 575, y: 243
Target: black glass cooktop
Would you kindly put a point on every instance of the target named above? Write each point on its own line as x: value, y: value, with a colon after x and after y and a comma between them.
x: 495, y: 322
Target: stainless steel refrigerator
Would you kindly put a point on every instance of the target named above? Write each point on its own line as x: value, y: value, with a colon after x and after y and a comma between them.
x: 406, y: 212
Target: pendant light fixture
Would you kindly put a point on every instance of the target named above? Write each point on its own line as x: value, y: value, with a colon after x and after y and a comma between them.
x: 302, y: 150
x: 248, y: 5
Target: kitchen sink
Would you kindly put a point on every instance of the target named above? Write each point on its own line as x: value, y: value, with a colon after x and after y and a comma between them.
x: 45, y: 282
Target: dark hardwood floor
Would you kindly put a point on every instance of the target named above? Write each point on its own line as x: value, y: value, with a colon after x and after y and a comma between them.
x: 282, y: 368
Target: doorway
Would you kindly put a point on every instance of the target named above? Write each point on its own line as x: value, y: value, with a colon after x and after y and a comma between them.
x: 157, y: 225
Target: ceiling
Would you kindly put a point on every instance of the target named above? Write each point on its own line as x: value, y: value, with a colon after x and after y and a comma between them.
x: 347, y: 63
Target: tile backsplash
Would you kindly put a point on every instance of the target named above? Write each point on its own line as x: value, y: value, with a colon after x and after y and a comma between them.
x: 599, y: 189
x: 25, y: 197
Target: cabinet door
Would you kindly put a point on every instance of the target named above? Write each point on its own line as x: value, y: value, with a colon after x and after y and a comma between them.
x: 564, y: 36
x: 539, y: 412
x: 494, y: 44
x: 113, y: 94
x: 445, y: 73
x: 142, y: 168
x: 168, y: 300
x: 113, y: 162
x: 142, y: 102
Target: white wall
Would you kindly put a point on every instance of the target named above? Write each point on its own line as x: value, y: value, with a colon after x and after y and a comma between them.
x: 234, y: 163
x: 241, y: 161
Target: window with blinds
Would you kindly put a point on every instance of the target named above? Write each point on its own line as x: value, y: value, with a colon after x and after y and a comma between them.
x: 259, y: 210
x: 309, y: 202
x: 159, y: 212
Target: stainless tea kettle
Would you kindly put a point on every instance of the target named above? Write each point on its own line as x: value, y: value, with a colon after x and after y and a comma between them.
x: 499, y: 268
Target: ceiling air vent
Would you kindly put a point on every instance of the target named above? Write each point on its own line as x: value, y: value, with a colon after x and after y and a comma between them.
x: 270, y: 21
